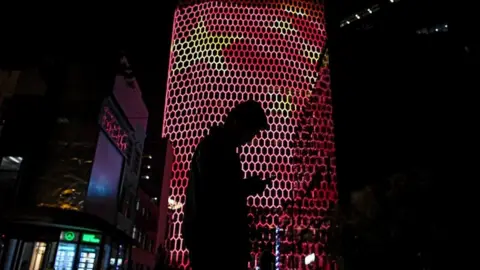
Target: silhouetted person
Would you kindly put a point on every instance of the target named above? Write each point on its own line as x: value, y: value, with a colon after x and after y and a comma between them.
x: 215, y: 223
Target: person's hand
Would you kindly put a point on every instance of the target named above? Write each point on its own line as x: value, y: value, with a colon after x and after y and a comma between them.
x: 268, y: 181
x: 258, y: 185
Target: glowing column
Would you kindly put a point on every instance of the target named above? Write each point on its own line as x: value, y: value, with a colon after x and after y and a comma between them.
x: 225, y: 52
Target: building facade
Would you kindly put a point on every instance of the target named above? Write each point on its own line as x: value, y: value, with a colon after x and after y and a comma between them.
x: 226, y: 52
x: 71, y: 149
x: 152, y: 209
x: 145, y: 232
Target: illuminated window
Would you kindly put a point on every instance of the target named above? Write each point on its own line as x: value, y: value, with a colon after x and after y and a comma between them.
x: 134, y: 232
x: 144, y: 241
x: 11, y: 163
x: 150, y: 246
x: 37, y: 256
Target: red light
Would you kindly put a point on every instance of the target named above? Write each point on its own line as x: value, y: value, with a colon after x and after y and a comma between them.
x: 224, y: 53
x: 112, y: 127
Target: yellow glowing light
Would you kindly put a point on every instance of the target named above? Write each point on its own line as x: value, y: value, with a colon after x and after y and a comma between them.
x: 326, y: 59
x: 295, y: 10
x: 311, y: 55
x: 174, y: 205
x: 203, y: 46
x: 284, y: 27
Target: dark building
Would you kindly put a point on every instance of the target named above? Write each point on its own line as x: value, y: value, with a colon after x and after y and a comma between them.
x: 392, y: 16
x: 390, y: 83
x: 146, y: 221
x: 398, y: 97
x: 145, y: 231
x: 73, y: 131
x: 152, y: 200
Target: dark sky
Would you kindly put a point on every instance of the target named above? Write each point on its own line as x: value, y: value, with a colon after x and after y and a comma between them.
x: 149, y: 54
x: 393, y: 95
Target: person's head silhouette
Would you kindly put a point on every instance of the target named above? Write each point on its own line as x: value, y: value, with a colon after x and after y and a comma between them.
x: 245, y: 121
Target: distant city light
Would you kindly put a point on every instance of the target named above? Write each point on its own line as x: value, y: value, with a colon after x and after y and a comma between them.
x: 309, y: 259
x: 15, y: 159
x: 174, y: 205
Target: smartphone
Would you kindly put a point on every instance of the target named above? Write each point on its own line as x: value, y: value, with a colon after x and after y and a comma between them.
x: 270, y: 178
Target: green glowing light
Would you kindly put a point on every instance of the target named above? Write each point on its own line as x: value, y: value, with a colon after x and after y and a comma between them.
x: 91, y: 238
x: 69, y: 236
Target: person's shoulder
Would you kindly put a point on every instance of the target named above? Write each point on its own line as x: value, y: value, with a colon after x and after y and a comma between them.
x: 203, y: 148
x: 204, y: 142
x: 210, y: 141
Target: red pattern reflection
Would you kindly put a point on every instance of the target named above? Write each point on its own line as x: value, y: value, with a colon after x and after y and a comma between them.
x: 225, y: 52
x: 113, y: 129
x: 315, y: 191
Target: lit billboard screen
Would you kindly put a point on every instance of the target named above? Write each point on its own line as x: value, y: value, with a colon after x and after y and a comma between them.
x: 105, y: 179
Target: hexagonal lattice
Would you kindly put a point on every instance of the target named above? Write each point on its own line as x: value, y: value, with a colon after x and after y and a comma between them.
x: 225, y: 52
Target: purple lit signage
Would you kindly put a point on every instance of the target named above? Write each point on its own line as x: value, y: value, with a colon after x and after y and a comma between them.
x: 104, y: 180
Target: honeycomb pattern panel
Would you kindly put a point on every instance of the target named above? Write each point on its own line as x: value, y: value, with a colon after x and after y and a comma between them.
x: 315, y: 191
x: 226, y: 52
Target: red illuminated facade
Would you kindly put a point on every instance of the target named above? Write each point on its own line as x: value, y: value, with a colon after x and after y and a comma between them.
x: 225, y: 52
x: 315, y: 189
x: 110, y: 124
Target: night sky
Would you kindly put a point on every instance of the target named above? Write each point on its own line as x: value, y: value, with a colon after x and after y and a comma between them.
x: 392, y: 96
